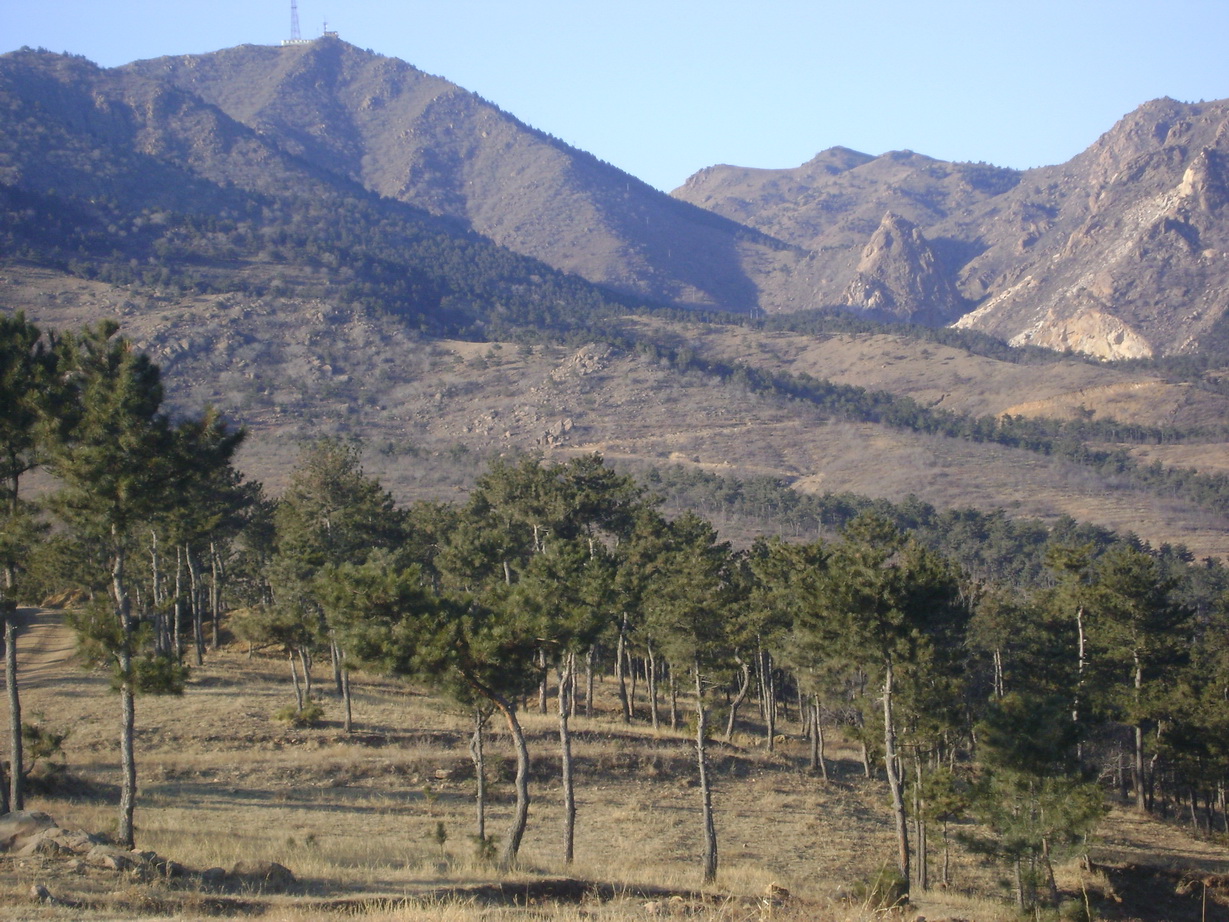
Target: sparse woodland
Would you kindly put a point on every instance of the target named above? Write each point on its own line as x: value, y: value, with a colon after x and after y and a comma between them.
x: 1003, y: 684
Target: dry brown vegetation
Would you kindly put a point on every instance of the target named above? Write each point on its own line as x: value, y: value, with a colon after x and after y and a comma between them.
x: 357, y: 817
x: 431, y: 411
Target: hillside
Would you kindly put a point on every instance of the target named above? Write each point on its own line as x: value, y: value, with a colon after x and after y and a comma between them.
x: 415, y: 138
x: 294, y: 235
x: 1118, y: 253
x: 432, y: 410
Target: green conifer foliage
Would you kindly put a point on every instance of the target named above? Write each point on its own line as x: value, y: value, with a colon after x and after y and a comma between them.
x: 121, y: 465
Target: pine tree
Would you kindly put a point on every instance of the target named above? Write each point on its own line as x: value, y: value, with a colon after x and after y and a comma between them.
x: 121, y: 465
x: 1140, y: 638
x: 453, y: 642
x: 685, y: 602
x: 330, y: 514
x: 532, y: 543
x: 888, y: 603
x: 1031, y: 793
x: 27, y: 365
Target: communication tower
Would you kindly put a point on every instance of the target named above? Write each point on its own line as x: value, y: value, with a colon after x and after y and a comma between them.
x: 296, y: 37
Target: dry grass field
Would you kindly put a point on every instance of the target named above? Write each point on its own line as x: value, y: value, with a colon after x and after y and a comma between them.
x: 358, y: 818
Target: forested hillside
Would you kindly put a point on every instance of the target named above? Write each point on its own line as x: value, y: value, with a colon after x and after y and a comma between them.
x: 1002, y: 677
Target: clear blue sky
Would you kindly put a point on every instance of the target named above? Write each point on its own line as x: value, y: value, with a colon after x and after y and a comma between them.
x: 662, y: 88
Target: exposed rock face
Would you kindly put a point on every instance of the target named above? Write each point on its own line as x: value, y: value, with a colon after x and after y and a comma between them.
x: 1122, y: 251
x: 899, y: 277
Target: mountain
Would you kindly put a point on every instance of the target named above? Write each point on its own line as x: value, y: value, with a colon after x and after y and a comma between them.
x: 415, y: 138
x: 1119, y: 253
x: 113, y: 176
x: 322, y: 241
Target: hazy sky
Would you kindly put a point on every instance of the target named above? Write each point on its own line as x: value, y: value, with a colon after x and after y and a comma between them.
x: 662, y: 88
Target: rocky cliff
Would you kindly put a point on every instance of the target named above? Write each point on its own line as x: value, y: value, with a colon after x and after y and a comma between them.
x: 1120, y: 252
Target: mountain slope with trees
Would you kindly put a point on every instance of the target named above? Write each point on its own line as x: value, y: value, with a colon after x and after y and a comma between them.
x: 408, y: 136
x: 919, y: 659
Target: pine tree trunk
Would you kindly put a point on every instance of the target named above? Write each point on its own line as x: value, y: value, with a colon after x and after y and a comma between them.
x: 12, y: 794
x: 811, y: 729
x: 161, y: 634
x: 565, y: 752
x: 652, y: 673
x: 128, y: 765
x: 305, y: 660
x: 770, y: 702
x: 520, y: 813
x: 631, y: 691
x: 478, y: 755
x: 177, y: 627
x: 589, y: 654
x: 620, y: 680
x: 894, y: 783
x: 347, y: 711
x: 215, y: 596
x: 706, y: 793
x: 947, y: 881
x: 294, y: 677
x: 543, y: 686
x: 820, y: 755
x: 572, y: 686
x: 1141, y: 802
x: 335, y: 658
x: 744, y: 686
x: 1021, y: 902
x: 1051, y: 883
x: 16, y: 790
x: 674, y: 701
x: 1079, y: 683
x: 919, y: 825
x: 198, y: 627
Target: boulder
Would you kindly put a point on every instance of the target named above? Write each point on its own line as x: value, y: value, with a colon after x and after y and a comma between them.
x: 18, y: 827
x: 267, y: 875
x: 42, y: 843
x: 109, y: 858
x: 79, y: 843
x: 213, y: 876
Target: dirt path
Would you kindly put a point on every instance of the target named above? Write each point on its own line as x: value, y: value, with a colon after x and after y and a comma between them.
x: 45, y: 645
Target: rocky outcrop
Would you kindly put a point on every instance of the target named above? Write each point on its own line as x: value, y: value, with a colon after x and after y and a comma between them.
x: 19, y: 828
x: 899, y: 277
x: 25, y: 834
x: 1122, y: 251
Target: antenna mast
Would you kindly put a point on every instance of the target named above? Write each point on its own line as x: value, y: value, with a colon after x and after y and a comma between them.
x: 296, y: 37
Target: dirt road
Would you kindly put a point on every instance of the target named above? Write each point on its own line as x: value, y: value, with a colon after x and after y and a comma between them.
x: 45, y: 645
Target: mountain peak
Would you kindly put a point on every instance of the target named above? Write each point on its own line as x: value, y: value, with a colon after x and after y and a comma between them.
x: 900, y: 277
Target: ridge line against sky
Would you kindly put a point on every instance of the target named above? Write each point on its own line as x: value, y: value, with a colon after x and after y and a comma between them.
x: 663, y: 89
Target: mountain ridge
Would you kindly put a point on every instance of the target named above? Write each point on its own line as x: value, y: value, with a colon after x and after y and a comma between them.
x: 309, y: 284
x: 1097, y: 255
x: 425, y: 141
x: 1119, y: 253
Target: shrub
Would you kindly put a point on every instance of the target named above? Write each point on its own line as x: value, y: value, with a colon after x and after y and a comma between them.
x: 307, y: 716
